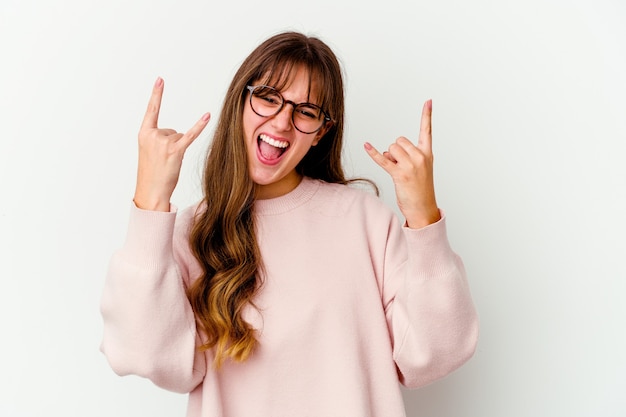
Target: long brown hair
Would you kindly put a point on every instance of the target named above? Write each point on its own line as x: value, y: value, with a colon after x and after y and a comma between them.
x: 223, y: 235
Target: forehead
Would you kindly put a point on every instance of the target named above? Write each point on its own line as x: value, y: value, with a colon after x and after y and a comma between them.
x: 285, y: 77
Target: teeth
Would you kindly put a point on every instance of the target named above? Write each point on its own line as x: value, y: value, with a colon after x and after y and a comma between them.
x: 275, y: 143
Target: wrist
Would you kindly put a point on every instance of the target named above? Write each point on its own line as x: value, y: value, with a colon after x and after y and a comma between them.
x: 152, y: 204
x: 423, y: 219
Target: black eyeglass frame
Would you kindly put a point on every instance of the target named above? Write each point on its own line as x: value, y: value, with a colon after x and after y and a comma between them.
x: 325, y: 119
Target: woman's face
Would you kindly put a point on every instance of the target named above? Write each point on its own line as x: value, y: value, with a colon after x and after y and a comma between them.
x: 274, y: 145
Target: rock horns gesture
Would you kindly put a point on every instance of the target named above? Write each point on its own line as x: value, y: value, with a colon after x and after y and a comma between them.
x: 411, y: 169
x: 161, y: 154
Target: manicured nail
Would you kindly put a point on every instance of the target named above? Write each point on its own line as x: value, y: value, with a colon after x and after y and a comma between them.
x: 206, y: 116
x: 367, y: 146
x: 158, y: 82
x: 430, y: 104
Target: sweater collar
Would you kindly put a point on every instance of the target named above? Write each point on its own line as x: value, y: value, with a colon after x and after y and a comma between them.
x: 295, y: 198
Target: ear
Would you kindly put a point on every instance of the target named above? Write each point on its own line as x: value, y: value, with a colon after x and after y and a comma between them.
x: 320, y: 133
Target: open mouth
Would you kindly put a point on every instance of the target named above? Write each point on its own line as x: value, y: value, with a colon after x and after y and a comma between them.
x: 270, y: 148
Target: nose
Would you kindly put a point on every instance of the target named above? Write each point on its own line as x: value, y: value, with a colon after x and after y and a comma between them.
x: 283, y: 119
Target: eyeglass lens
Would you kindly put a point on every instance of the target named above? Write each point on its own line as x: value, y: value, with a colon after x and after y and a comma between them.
x: 267, y: 101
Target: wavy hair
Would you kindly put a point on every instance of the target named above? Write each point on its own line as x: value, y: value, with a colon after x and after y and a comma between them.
x: 223, y: 235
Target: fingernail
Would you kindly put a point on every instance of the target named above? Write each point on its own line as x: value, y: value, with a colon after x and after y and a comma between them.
x: 367, y: 146
x: 158, y: 82
x: 430, y: 104
x: 206, y: 116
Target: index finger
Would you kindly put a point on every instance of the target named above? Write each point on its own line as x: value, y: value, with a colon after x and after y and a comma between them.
x: 425, y: 141
x: 151, y: 118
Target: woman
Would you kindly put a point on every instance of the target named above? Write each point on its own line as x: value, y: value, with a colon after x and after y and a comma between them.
x: 285, y: 292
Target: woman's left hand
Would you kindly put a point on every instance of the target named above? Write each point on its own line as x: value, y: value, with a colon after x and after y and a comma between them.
x: 411, y: 169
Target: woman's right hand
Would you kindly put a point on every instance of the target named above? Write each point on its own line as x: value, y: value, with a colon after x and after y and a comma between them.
x: 161, y: 154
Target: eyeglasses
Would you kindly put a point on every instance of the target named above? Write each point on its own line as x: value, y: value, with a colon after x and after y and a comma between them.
x: 266, y: 101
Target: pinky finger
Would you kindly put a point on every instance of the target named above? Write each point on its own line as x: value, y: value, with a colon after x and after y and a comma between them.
x: 195, y: 130
x: 383, y: 161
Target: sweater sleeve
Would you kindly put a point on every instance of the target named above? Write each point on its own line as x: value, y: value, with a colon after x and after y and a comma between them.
x: 149, y: 326
x: 431, y: 316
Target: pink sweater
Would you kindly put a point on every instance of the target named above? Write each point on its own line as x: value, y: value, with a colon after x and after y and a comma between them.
x: 352, y: 304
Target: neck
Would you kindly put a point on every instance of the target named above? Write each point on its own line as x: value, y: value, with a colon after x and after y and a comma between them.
x: 268, y: 191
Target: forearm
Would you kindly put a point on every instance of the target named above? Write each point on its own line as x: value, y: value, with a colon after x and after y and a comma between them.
x: 149, y: 328
x: 434, y: 320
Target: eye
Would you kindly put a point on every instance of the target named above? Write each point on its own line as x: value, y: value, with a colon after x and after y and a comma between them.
x: 270, y: 99
x: 309, y: 111
x: 268, y: 96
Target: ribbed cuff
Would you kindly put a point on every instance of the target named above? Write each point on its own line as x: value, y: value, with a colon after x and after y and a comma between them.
x: 432, y: 254
x: 149, y: 237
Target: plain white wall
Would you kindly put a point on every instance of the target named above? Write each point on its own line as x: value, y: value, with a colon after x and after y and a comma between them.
x: 529, y: 138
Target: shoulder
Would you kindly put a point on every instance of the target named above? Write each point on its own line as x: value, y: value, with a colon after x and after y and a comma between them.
x: 351, y: 192
x: 354, y: 198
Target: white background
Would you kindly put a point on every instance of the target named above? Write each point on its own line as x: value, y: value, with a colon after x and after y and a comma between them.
x: 529, y: 138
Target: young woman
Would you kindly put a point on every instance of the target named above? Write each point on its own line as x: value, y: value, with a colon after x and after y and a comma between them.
x: 285, y: 292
